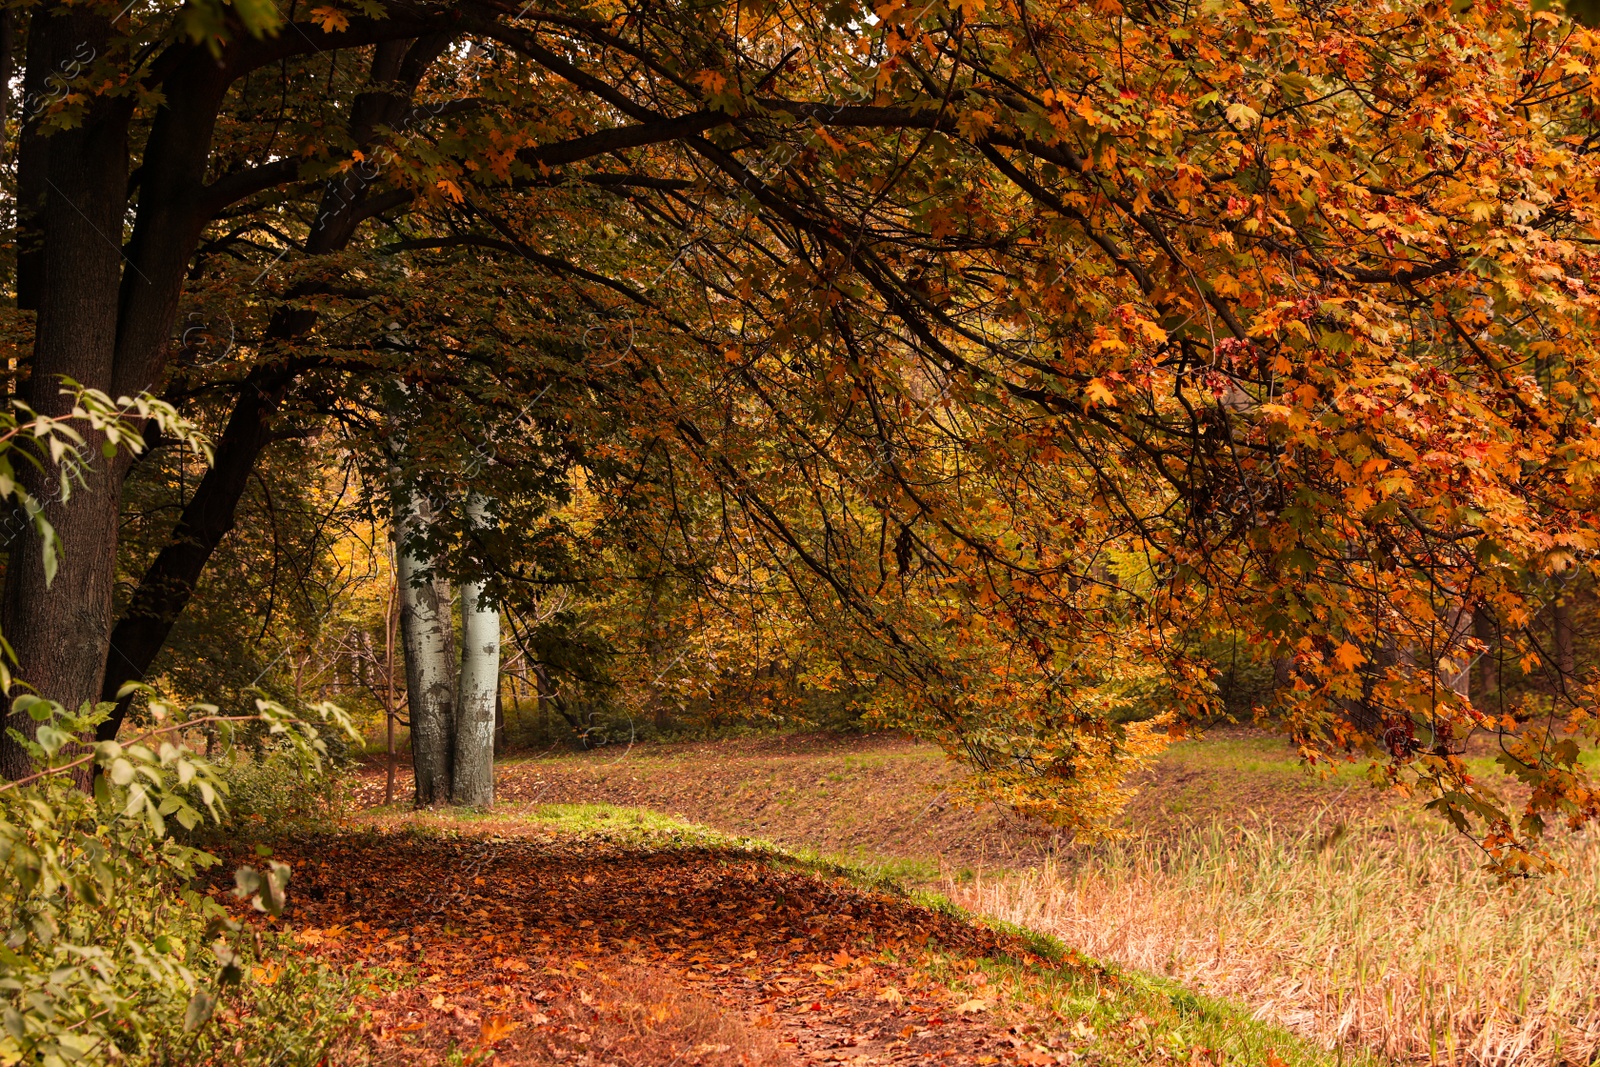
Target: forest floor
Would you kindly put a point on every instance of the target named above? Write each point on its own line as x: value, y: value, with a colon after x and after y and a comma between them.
x: 584, y: 921
x: 787, y: 900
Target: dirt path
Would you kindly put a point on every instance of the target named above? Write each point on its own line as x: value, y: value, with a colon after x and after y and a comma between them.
x: 545, y: 948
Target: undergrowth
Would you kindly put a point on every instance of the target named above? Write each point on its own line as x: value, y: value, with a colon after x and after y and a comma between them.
x: 114, y: 952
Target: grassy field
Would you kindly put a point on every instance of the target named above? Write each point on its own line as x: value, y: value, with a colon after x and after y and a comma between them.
x: 1378, y: 933
x: 1361, y: 922
x: 1316, y: 903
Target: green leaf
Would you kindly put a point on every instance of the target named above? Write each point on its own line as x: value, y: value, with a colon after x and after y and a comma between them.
x: 121, y: 771
x: 35, y: 707
x: 50, y: 739
x: 201, y: 1005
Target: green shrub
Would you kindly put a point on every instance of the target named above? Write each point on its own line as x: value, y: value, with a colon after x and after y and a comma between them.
x: 111, y: 953
x: 268, y: 789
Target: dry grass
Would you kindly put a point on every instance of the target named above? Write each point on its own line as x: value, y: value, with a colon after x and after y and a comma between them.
x: 1382, y: 934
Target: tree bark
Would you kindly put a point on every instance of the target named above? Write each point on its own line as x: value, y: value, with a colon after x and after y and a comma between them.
x: 544, y: 696
x: 58, y: 629
x: 169, y: 582
x: 473, y: 782
x: 1566, y: 658
x: 1483, y: 623
x: 429, y: 644
x: 1456, y: 663
x: 500, y: 719
x: 390, y: 620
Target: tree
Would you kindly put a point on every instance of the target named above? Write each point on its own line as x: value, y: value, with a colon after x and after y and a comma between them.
x: 472, y: 781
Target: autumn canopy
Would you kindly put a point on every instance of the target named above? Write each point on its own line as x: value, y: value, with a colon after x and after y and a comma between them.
x: 1010, y: 368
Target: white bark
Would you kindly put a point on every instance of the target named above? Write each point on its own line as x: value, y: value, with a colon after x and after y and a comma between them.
x: 480, y: 683
x: 429, y: 643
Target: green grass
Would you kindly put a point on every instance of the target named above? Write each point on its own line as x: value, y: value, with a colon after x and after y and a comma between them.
x: 1141, y: 1017
x: 1270, y: 754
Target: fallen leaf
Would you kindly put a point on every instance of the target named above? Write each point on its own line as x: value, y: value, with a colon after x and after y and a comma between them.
x: 496, y: 1028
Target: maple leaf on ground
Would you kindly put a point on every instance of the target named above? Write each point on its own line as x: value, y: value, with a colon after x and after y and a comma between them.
x: 496, y: 1028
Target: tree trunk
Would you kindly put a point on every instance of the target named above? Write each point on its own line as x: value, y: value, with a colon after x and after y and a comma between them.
x: 170, y: 581
x: 1483, y: 623
x: 500, y: 720
x: 1566, y: 659
x: 544, y: 694
x: 1282, y: 672
x: 429, y: 644
x: 390, y: 619
x: 473, y: 784
x: 58, y: 628
x: 1455, y: 666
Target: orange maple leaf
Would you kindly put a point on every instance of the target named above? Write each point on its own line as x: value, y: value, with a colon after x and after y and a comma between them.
x: 331, y: 19
x: 1348, y: 657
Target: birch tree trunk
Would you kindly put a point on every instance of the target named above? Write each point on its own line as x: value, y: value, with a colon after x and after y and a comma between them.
x: 429, y: 643
x: 480, y: 684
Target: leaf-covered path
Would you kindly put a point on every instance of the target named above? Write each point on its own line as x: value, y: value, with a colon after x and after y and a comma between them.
x: 532, y: 946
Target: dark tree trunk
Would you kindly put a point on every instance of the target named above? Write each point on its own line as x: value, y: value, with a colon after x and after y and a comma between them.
x: 1566, y: 658
x: 58, y: 629
x: 1282, y: 672
x: 105, y: 314
x: 543, y: 696
x: 1483, y: 624
x: 170, y: 220
x: 499, y: 722
x: 170, y: 581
